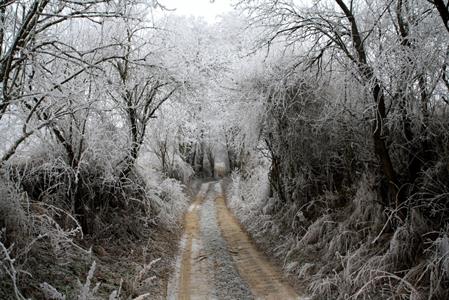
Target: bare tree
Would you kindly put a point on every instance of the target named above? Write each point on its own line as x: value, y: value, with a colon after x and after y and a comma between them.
x: 351, y: 35
x: 142, y: 87
x: 25, y: 29
x: 29, y: 43
x: 443, y: 10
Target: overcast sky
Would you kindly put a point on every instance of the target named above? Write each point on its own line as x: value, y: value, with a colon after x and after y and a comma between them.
x: 199, y: 8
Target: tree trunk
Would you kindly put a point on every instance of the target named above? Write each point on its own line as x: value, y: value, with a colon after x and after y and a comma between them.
x: 378, y: 133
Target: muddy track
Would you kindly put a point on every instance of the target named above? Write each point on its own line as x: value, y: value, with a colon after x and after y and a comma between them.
x: 217, y: 259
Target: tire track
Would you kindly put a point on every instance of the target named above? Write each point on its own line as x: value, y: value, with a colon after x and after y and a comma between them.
x: 264, y: 280
x: 217, y: 258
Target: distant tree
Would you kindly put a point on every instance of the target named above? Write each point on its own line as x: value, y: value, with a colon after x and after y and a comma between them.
x: 141, y: 85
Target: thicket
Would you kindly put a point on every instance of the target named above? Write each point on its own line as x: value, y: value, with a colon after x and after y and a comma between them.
x: 345, y: 176
x: 79, y: 84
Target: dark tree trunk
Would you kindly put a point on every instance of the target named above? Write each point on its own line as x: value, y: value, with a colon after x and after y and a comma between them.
x: 378, y: 132
x: 443, y: 10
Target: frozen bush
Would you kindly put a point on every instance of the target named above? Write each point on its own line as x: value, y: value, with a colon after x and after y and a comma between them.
x: 85, y: 290
x: 50, y: 292
x: 168, y: 198
x: 13, y: 217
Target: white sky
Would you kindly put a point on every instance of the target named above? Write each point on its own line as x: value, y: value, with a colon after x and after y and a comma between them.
x: 199, y: 8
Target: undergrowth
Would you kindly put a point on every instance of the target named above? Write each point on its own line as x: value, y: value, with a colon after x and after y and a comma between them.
x: 120, y: 247
x: 347, y: 252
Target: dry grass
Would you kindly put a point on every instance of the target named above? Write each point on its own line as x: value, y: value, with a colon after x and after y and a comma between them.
x: 347, y: 252
x: 128, y: 251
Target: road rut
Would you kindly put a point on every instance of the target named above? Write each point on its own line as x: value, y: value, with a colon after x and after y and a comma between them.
x: 217, y: 259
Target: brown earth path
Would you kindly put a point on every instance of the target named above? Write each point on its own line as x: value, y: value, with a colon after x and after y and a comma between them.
x: 195, y: 276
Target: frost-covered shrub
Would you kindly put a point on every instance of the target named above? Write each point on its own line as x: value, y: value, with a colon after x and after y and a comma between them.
x: 51, y: 292
x: 37, y: 210
x: 348, y: 251
x: 32, y: 229
x: 247, y: 198
x: 181, y: 170
x: 9, y: 273
x: 170, y: 200
x: 86, y: 292
x: 13, y: 216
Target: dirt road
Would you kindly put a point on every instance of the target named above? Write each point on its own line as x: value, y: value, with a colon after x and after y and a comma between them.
x: 217, y: 259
